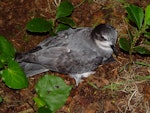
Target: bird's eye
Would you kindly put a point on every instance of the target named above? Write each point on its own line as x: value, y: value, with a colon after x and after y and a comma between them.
x: 103, y: 38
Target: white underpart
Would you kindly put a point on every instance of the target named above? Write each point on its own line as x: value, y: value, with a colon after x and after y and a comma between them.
x: 68, y: 50
x: 105, y: 45
x: 78, y: 77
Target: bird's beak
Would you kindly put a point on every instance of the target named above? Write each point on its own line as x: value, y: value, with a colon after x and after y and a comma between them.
x: 115, y: 50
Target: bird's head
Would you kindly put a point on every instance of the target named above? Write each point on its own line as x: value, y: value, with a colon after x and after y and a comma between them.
x: 105, y: 37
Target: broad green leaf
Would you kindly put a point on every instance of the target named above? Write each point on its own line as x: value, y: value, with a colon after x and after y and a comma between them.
x: 4, y: 59
x: 44, y: 110
x: 124, y: 44
x: 14, y: 77
x: 39, y: 102
x: 67, y: 21
x: 62, y: 27
x: 135, y: 14
x: 53, y: 91
x: 65, y: 9
x: 39, y: 25
x: 147, y: 15
x: 6, y: 47
x: 141, y: 50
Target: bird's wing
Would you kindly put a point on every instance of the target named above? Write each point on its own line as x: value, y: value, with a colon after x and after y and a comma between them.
x: 65, y: 53
x: 62, y: 39
x: 59, y: 40
x: 55, y: 41
x: 63, y: 60
x: 42, y: 60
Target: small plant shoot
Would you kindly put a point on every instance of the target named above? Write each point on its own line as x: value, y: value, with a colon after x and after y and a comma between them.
x: 139, y: 35
x: 7, y: 51
x: 10, y: 71
x: 13, y: 76
x: 61, y: 22
x: 135, y: 14
x: 52, y: 92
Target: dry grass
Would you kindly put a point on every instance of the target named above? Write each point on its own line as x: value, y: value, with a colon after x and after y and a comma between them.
x: 134, y: 98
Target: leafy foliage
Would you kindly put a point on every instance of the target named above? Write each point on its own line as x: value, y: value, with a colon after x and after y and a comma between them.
x: 14, y: 76
x: 7, y: 51
x: 139, y: 35
x: 124, y: 44
x: 39, y: 25
x: 6, y: 47
x: 147, y: 15
x: 135, y: 14
x: 52, y: 92
x: 65, y: 9
x: 61, y: 22
x: 39, y: 102
x: 10, y: 71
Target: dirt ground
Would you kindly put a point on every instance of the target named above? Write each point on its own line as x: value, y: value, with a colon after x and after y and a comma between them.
x: 90, y: 96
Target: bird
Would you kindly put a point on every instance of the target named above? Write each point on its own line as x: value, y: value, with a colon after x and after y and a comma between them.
x: 76, y: 52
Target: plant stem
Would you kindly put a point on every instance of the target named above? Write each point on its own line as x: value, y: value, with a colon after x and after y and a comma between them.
x: 135, y: 39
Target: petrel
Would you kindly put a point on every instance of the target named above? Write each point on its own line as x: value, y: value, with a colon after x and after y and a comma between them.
x: 75, y: 52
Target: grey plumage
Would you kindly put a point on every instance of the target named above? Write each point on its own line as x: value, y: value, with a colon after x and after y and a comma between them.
x: 77, y: 52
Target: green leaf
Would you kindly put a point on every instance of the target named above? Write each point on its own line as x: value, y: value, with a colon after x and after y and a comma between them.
x: 39, y: 102
x: 147, y: 15
x: 6, y: 48
x: 141, y: 50
x: 14, y: 77
x: 135, y: 14
x: 53, y: 91
x: 44, y: 110
x: 124, y: 44
x: 39, y: 25
x: 3, y: 60
x: 65, y: 9
x: 67, y: 21
x: 62, y: 27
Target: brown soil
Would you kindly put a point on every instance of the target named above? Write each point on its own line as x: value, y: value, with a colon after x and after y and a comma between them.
x: 89, y: 96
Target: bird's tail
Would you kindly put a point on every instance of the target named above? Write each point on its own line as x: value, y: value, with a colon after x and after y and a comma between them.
x: 19, y: 57
x: 29, y: 68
